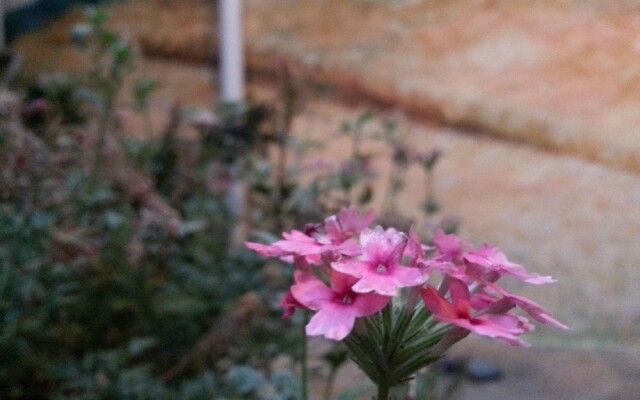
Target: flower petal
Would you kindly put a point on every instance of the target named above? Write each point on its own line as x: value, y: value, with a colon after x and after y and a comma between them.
x: 366, y: 304
x: 439, y: 306
x: 372, y: 282
x: 312, y: 293
x: 352, y: 267
x: 332, y: 321
x: 492, y: 259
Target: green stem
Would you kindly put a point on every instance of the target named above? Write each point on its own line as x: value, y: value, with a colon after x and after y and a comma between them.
x: 383, y: 391
x: 109, y: 98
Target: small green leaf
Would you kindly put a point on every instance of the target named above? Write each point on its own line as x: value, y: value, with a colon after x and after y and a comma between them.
x: 108, y: 38
x: 365, y: 118
x: 122, y: 53
x: 97, y: 18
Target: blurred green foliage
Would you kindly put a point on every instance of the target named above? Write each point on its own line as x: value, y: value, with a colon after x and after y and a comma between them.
x: 102, y: 290
x: 117, y: 276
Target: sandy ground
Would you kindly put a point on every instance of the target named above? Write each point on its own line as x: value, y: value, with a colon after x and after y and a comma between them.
x: 538, y: 373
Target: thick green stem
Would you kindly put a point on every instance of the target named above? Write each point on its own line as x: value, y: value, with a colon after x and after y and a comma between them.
x: 383, y: 391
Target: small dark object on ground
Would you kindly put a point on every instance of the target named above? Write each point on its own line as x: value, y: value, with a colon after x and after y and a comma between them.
x: 480, y: 370
x: 453, y: 366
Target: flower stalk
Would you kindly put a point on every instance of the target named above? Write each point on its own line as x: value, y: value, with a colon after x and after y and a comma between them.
x: 383, y: 391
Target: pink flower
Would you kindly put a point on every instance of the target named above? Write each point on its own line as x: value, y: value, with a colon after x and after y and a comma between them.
x: 379, y: 269
x: 337, y: 307
x: 297, y: 243
x: 344, y: 270
x: 347, y: 224
x: 490, y: 264
x: 532, y: 308
x: 461, y: 261
x: 449, y: 258
x: 505, y: 327
x: 336, y: 235
x: 450, y: 247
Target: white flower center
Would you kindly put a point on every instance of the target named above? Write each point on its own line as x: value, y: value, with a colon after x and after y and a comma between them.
x: 347, y: 299
x: 381, y: 269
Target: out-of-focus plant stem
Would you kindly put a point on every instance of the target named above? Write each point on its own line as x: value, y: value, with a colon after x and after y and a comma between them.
x: 109, y: 98
x: 289, y: 96
x: 331, y: 379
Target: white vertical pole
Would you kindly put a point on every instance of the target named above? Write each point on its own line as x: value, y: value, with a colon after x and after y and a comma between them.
x: 232, y: 73
x: 232, y: 81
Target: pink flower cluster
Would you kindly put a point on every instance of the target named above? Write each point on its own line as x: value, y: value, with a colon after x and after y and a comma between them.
x: 346, y: 270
